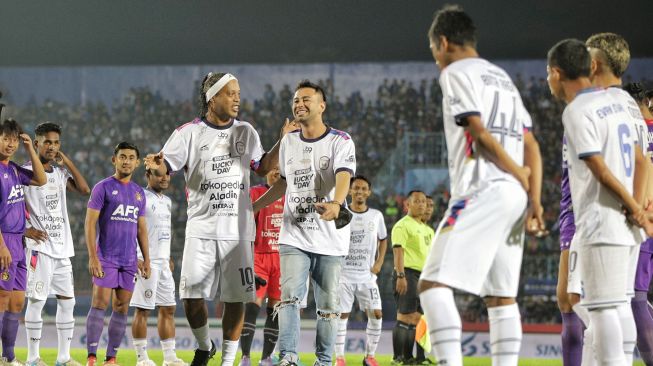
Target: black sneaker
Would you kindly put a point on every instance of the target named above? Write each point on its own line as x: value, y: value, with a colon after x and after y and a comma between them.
x: 202, y: 357
x: 424, y: 362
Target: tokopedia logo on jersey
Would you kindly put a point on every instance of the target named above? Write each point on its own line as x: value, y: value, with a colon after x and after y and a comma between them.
x: 125, y: 213
x: 16, y: 195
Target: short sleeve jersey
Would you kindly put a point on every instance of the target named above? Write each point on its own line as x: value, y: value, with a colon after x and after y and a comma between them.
x: 216, y: 162
x: 597, y: 123
x: 159, y: 225
x: 13, y: 179
x: 476, y: 87
x: 268, y: 222
x: 412, y: 235
x: 48, y: 212
x: 120, y: 205
x: 367, y: 228
x: 310, y: 167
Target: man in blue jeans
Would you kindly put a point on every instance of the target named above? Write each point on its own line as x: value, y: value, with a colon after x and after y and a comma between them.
x: 316, y: 164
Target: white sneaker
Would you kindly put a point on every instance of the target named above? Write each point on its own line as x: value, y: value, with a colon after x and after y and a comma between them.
x: 14, y: 362
x: 146, y: 363
x: 37, y: 362
x: 177, y: 362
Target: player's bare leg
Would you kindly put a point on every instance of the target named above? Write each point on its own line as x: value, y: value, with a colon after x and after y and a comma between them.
x: 166, y: 328
x: 232, y: 325
x: 197, y: 316
x: 444, y: 321
x: 139, y: 335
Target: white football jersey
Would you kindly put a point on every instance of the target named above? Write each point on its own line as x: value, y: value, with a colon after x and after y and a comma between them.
x: 159, y: 225
x: 633, y: 109
x: 216, y: 163
x: 598, y: 123
x: 48, y: 212
x: 476, y: 87
x: 367, y: 228
x: 309, y: 167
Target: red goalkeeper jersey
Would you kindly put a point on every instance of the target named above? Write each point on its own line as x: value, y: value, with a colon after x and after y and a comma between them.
x: 268, y: 222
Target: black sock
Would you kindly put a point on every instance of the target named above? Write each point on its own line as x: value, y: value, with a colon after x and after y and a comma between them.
x: 419, y: 352
x: 270, y: 334
x: 399, y: 334
x: 409, y: 342
x: 249, y: 327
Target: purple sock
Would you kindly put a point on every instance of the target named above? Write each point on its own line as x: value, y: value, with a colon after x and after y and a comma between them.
x: 644, y: 323
x: 94, y: 326
x: 572, y: 339
x: 9, y: 333
x: 117, y: 327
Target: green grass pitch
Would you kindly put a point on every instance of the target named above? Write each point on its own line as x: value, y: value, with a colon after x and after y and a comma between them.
x: 127, y: 357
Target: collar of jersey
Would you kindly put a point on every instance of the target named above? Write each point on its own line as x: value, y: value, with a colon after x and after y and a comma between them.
x: 591, y: 89
x: 328, y: 129
x: 228, y: 125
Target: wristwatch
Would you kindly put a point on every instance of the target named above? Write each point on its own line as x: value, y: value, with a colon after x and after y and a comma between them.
x: 401, y: 275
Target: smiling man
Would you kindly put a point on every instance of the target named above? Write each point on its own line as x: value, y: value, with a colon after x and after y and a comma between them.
x: 216, y: 152
x: 316, y: 165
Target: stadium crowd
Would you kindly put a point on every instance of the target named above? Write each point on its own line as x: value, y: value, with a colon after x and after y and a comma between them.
x: 377, y: 126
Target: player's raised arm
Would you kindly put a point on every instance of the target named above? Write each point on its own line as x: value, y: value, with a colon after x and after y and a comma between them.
x: 275, y: 192
x: 76, y: 183
x: 271, y: 158
x: 493, y: 151
x: 90, y: 231
x: 38, y: 177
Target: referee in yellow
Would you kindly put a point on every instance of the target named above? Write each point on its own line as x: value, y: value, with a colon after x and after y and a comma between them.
x: 410, y: 246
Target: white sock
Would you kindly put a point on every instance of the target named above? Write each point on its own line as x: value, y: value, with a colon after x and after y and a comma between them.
x: 140, y: 345
x: 608, y: 337
x: 445, y: 327
x: 65, y: 327
x: 33, y: 326
x: 628, y: 329
x: 168, y: 347
x: 373, y: 334
x: 202, y: 336
x: 341, y: 337
x: 588, y: 358
x: 229, y: 349
x: 505, y: 334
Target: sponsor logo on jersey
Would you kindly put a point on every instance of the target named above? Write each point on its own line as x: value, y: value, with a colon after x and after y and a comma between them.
x: 5, y: 276
x: 16, y: 194
x: 148, y: 293
x: 240, y: 147
x: 125, y: 213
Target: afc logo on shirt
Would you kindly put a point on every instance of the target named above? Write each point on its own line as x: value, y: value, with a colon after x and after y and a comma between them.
x: 125, y: 211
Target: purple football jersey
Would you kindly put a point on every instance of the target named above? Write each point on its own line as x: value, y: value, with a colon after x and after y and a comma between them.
x: 120, y: 205
x: 566, y: 218
x: 647, y: 245
x: 12, y: 206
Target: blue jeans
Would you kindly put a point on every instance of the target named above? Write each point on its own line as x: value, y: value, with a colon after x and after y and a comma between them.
x: 296, y: 266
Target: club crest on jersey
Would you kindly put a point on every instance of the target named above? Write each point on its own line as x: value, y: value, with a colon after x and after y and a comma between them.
x: 240, y: 148
x: 5, y: 276
x: 324, y: 162
x: 148, y: 293
x: 139, y: 197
